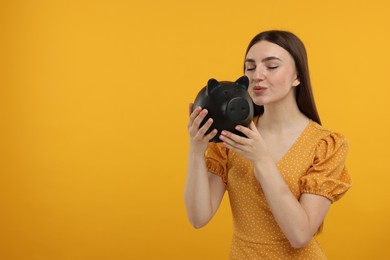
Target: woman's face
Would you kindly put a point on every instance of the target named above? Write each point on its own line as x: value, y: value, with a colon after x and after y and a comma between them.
x: 271, y: 72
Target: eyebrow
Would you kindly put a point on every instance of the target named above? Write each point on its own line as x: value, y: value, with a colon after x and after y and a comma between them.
x: 264, y: 60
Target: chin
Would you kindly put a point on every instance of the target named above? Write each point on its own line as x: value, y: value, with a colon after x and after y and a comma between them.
x: 259, y: 101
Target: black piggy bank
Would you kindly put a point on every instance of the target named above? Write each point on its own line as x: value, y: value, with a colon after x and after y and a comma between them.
x: 228, y: 104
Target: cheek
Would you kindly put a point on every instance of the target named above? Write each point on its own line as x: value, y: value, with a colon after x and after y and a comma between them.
x: 249, y: 75
x: 285, y: 79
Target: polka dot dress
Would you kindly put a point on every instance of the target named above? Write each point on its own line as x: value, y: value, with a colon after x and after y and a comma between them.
x: 314, y: 164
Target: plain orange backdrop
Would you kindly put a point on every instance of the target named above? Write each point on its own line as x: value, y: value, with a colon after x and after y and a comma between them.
x: 93, y: 114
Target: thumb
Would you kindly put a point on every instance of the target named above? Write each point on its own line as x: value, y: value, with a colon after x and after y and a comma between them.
x: 253, y: 127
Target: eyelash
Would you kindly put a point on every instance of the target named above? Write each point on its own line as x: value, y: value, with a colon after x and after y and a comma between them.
x: 269, y: 68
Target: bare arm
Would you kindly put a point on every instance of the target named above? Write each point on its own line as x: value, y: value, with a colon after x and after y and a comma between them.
x: 203, y: 191
x: 298, y: 219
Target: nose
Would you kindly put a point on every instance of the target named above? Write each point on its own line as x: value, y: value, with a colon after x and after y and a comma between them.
x: 258, y: 75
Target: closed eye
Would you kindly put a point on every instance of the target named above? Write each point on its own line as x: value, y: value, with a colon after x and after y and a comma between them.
x: 250, y: 69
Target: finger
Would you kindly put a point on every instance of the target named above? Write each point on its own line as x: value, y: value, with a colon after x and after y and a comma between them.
x: 194, y: 114
x: 190, y: 108
x: 231, y: 145
x: 200, y: 117
x: 212, y: 134
x: 253, y: 127
x: 190, y: 124
x: 233, y: 138
x: 202, y: 130
x: 249, y: 132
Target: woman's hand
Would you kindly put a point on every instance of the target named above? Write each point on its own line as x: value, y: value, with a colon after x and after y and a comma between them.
x: 251, y: 147
x: 198, y: 139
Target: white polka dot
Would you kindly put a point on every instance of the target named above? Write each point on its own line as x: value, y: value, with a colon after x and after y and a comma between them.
x: 314, y: 164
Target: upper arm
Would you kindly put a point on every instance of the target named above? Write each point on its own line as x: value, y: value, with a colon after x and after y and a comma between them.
x: 217, y: 190
x: 316, y: 208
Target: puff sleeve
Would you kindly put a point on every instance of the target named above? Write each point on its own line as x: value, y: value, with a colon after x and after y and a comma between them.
x: 328, y: 175
x: 216, y: 160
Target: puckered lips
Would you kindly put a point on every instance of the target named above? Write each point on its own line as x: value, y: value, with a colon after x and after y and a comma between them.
x: 259, y: 90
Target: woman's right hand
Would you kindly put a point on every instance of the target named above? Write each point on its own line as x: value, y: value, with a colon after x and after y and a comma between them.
x: 198, y: 139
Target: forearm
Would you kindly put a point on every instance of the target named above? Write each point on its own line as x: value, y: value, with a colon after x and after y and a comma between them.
x: 197, y: 194
x: 288, y: 212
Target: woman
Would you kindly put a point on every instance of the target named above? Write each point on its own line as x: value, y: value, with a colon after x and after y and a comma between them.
x: 282, y: 179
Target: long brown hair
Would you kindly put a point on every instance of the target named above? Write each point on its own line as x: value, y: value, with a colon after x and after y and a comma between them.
x: 296, y: 48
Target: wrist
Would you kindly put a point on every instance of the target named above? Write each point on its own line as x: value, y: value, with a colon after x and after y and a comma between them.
x: 196, y: 154
x: 263, y: 164
x: 263, y: 160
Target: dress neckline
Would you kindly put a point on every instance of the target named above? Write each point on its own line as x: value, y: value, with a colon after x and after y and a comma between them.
x: 297, y: 140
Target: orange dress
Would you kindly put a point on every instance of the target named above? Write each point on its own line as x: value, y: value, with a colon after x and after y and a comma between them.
x: 314, y: 164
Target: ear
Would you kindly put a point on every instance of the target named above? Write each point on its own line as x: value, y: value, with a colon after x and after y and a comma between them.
x: 296, y: 82
x: 211, y: 84
x: 243, y: 81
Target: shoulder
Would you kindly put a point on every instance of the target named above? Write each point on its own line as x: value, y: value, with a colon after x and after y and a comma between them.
x: 324, y: 134
x: 328, y: 142
x: 328, y: 175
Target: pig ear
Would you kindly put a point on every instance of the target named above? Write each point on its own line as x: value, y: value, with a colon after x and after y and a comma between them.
x: 243, y: 81
x: 211, y: 84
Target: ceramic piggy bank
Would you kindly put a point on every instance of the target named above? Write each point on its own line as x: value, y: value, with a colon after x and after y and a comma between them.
x: 228, y: 104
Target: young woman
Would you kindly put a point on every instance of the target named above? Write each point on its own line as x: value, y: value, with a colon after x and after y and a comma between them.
x: 282, y: 179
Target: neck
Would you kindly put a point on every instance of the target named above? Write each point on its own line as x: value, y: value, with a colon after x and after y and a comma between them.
x: 281, y: 116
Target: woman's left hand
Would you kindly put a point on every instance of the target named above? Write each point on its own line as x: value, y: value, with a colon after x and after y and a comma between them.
x: 251, y: 147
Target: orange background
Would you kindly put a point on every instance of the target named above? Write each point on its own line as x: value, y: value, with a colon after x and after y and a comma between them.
x: 93, y: 112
